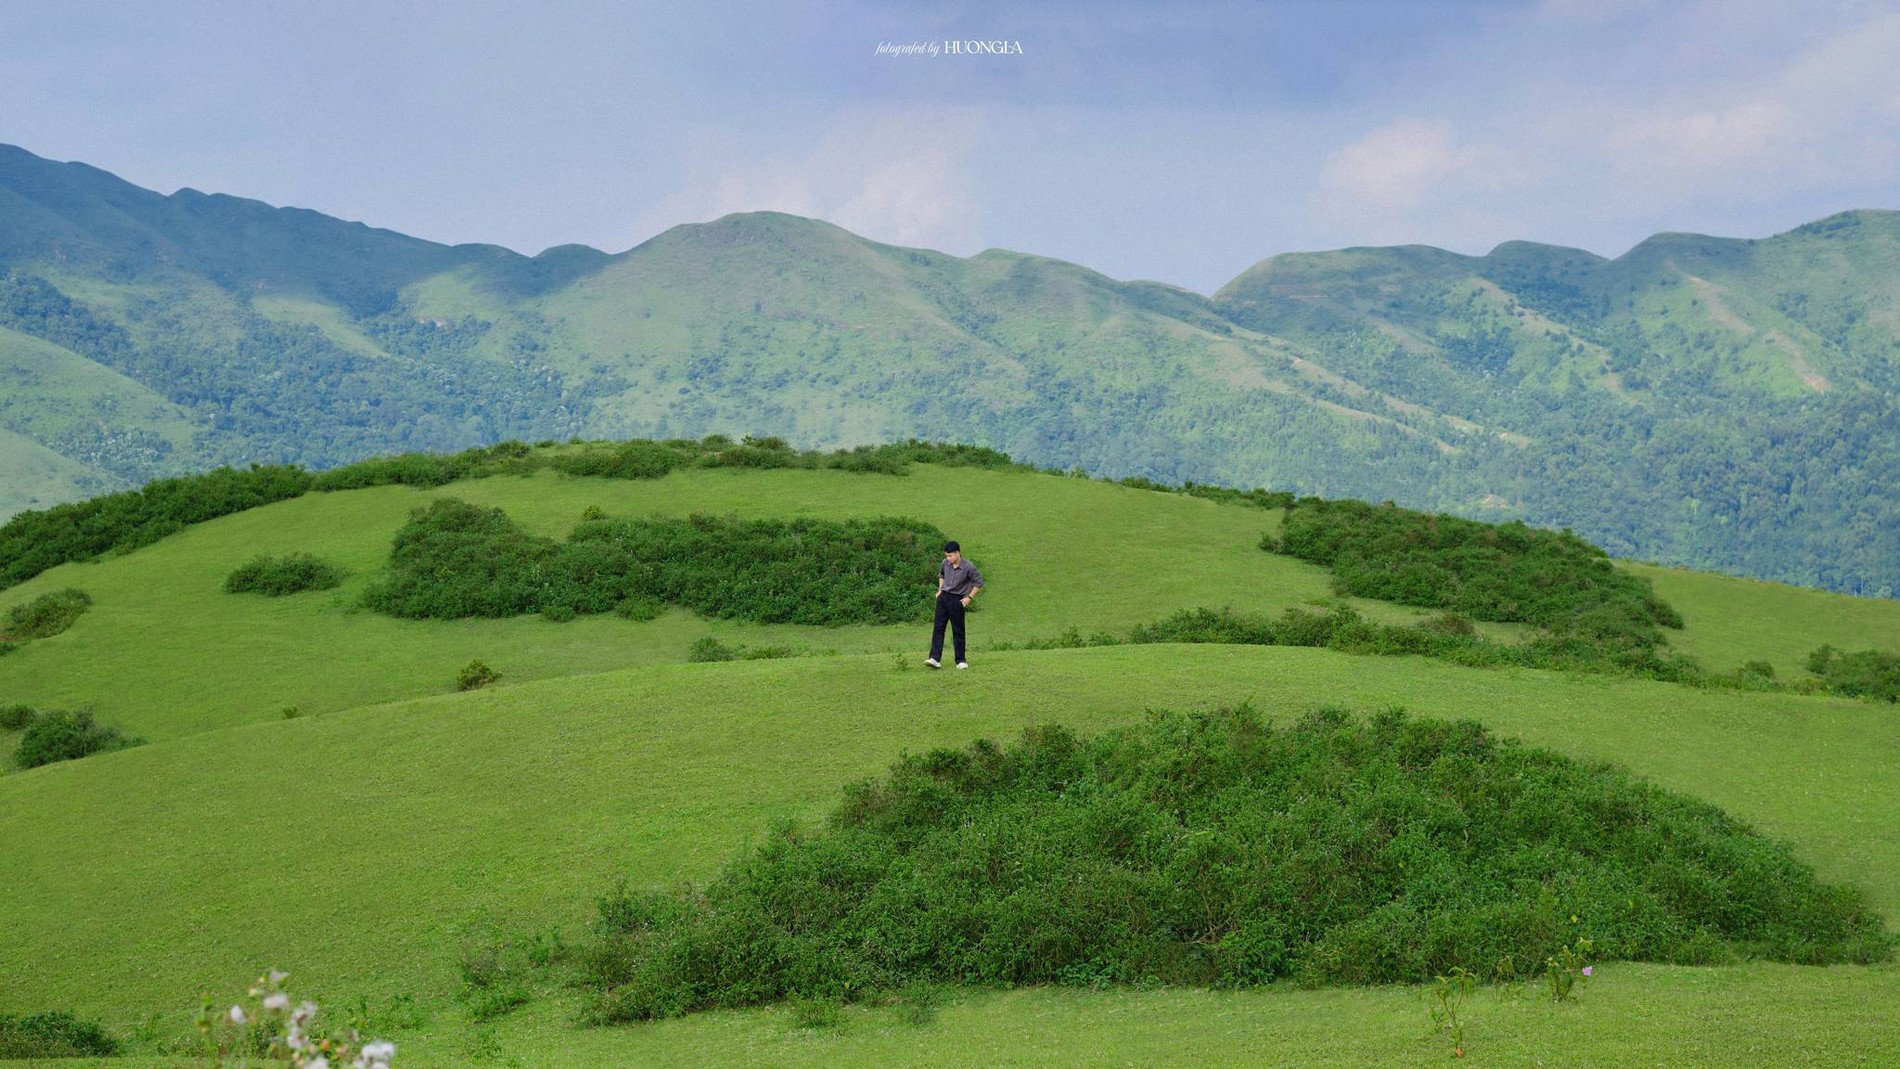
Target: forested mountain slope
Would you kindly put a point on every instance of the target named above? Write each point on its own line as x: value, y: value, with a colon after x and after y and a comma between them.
x: 1718, y: 403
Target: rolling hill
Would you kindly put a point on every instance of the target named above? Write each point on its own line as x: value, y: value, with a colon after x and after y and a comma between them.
x: 395, y: 824
x: 1716, y: 403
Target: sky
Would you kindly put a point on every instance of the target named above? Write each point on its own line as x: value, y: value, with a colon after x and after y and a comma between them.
x: 1175, y: 141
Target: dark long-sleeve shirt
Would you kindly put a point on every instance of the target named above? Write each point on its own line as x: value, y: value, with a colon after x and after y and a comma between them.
x: 960, y: 578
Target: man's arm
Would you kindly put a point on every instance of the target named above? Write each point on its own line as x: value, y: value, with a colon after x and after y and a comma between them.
x: 976, y: 584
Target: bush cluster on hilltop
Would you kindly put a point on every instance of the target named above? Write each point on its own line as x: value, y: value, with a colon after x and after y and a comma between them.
x: 1218, y: 849
x: 36, y: 540
x: 453, y: 559
x: 1504, y: 572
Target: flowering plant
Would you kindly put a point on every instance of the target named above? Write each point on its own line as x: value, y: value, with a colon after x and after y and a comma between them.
x: 1567, y: 968
x: 265, y: 1026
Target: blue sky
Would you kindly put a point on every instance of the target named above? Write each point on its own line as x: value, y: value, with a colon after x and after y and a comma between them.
x: 1173, y: 141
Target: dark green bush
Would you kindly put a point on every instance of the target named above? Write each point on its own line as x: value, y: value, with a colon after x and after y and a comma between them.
x: 628, y: 460
x: 36, y: 540
x: 710, y: 649
x: 1451, y: 638
x: 49, y: 614
x: 1867, y: 674
x: 453, y: 559
x: 802, y: 571
x: 16, y: 717
x: 1220, y: 850
x: 68, y: 737
x: 1506, y: 572
x: 1258, y: 498
x: 640, y: 608
x: 429, y: 470
x: 475, y: 675
x: 288, y: 574
x: 54, y: 1035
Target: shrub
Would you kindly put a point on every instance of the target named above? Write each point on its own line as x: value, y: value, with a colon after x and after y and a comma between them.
x: 475, y: 675
x: 640, y: 608
x: 68, y: 737
x: 16, y: 717
x: 1506, y: 572
x: 709, y: 649
x: 278, y: 576
x: 1344, y: 629
x: 57, y: 1034
x: 429, y: 470
x: 802, y: 571
x: 49, y: 614
x: 1867, y: 674
x: 1216, y: 849
x: 628, y: 460
x: 453, y: 559
x: 36, y: 540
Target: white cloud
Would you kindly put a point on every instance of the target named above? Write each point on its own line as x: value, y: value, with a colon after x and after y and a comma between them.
x: 897, y: 176
x: 1701, y: 143
x: 1829, y: 108
x: 1376, y: 183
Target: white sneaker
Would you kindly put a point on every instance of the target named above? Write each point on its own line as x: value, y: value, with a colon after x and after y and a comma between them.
x: 933, y: 662
x: 963, y: 664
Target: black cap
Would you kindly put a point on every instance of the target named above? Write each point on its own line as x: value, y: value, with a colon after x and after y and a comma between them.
x: 952, y: 547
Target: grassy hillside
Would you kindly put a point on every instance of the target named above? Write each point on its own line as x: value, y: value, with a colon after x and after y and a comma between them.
x: 205, y: 659
x: 508, y: 810
x: 1718, y: 403
x: 396, y: 824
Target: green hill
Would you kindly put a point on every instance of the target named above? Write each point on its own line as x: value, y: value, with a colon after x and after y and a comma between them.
x: 395, y: 824
x: 1716, y: 403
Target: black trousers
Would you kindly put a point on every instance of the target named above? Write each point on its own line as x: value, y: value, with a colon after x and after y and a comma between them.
x: 949, y: 611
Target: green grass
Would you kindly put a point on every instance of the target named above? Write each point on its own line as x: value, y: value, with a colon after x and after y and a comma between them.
x: 362, y: 849
x: 166, y: 652
x: 397, y: 823
x: 1728, y: 621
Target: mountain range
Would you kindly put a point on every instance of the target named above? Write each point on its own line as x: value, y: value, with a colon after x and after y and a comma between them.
x: 1720, y: 403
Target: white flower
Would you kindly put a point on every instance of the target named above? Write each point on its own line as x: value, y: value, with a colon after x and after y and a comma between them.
x: 318, y: 1062
x: 304, y: 1011
x: 375, y: 1055
x: 237, y: 1015
x: 278, y: 977
x: 276, y: 1002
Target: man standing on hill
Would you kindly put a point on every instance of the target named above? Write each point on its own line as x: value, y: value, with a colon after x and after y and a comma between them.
x: 957, y: 584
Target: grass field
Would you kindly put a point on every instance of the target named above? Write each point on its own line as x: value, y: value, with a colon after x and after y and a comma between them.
x: 367, y: 843
x: 166, y: 652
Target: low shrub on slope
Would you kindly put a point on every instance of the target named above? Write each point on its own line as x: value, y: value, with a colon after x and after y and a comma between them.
x: 38, y: 539
x: 291, y: 573
x: 453, y: 559
x: 1866, y: 674
x: 1504, y: 572
x: 1220, y: 850
x: 50, y: 614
